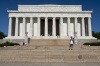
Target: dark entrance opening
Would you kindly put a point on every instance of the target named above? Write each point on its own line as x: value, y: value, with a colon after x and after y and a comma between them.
x: 57, y: 27
x: 50, y: 27
x: 42, y: 24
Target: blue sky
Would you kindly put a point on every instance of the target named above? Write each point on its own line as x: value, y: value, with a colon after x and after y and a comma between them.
x: 13, y: 4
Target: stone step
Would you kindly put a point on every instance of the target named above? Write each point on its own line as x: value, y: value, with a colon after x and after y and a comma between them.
x: 49, y: 55
x: 50, y: 59
x: 46, y: 52
x: 46, y: 47
x: 49, y: 42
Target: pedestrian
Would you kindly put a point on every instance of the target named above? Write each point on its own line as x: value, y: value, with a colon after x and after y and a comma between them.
x: 26, y: 40
x: 71, y: 43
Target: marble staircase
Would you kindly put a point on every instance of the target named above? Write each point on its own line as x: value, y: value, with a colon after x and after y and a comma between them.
x: 39, y: 51
x: 49, y: 42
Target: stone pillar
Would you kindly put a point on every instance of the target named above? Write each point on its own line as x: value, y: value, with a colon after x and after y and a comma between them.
x: 83, y: 27
x: 68, y: 26
x: 89, y: 26
x: 38, y: 26
x: 16, y: 27
x: 24, y: 26
x: 76, y: 25
x: 61, y: 26
x: 31, y: 26
x: 46, y: 26
x: 10, y: 27
x: 54, y: 26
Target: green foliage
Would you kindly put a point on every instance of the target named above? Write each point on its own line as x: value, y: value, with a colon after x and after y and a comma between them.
x: 96, y: 34
x: 8, y: 44
x: 93, y: 44
x: 2, y: 35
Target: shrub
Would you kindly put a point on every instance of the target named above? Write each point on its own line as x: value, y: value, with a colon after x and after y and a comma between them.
x: 8, y: 44
x: 2, y: 35
x: 93, y: 44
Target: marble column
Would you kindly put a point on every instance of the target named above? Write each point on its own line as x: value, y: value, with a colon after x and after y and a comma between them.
x: 46, y: 26
x: 83, y: 27
x: 24, y: 26
x: 10, y: 27
x: 16, y: 27
x: 38, y: 26
x: 61, y: 26
x: 89, y: 26
x: 68, y: 26
x: 31, y: 26
x: 54, y: 26
x: 75, y: 25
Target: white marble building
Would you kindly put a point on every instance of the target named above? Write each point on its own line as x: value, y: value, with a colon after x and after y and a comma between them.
x: 49, y: 21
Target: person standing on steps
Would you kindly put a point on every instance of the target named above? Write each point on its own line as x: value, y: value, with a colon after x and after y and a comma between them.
x: 26, y: 39
x: 71, y: 43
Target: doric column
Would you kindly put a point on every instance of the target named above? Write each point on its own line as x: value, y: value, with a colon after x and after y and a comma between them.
x: 61, y: 26
x: 16, y: 27
x: 68, y: 26
x: 89, y: 26
x: 83, y: 27
x: 31, y: 26
x: 24, y: 26
x: 10, y: 27
x: 76, y: 25
x: 38, y: 26
x: 46, y: 26
x: 54, y: 26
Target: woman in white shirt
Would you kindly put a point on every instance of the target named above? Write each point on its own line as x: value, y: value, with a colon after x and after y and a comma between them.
x: 71, y: 43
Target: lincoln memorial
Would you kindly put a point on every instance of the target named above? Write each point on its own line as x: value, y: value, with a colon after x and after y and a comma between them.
x: 49, y: 22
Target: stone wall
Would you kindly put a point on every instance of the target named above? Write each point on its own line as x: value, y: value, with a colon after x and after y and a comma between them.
x: 81, y: 41
x: 98, y: 40
x: 49, y: 8
x: 20, y: 41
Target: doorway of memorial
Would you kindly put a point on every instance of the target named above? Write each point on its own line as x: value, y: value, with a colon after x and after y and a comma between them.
x: 57, y: 27
x: 42, y: 27
x: 49, y: 27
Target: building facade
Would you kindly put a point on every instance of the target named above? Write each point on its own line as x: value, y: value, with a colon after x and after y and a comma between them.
x: 49, y: 22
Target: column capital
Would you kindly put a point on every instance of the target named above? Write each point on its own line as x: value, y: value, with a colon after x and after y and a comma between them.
x: 75, y: 17
x: 61, y: 17
x: 16, y: 17
x: 89, y: 17
x: 23, y: 17
x: 38, y: 17
x: 68, y: 17
x: 83, y: 17
x: 46, y: 17
x: 53, y: 17
x: 30, y: 16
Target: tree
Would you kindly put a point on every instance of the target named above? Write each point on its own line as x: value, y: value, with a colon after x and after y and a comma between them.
x: 96, y: 34
x: 2, y: 35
